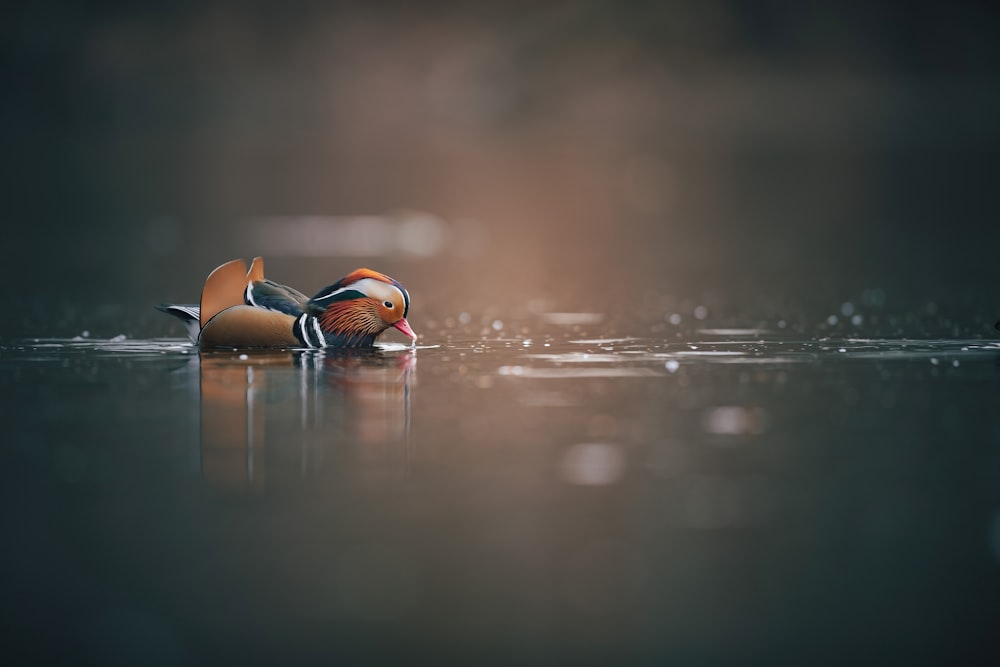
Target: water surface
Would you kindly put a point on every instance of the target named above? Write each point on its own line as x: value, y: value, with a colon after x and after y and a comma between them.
x: 734, y: 496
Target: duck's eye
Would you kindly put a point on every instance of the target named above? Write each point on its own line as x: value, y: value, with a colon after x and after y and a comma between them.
x: 388, y: 304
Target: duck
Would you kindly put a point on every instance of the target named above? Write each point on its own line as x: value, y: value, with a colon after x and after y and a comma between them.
x: 240, y: 308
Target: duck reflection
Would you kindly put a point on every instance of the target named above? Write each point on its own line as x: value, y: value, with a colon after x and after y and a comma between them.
x: 269, y: 415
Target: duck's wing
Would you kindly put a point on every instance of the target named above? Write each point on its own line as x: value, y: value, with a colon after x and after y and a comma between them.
x: 256, y: 271
x: 263, y: 293
x: 223, y: 289
x: 273, y: 296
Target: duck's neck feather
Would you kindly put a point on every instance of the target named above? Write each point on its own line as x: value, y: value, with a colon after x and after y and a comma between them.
x: 308, y: 331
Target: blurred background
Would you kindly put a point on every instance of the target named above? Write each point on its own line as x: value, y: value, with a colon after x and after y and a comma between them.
x: 769, y: 160
x: 554, y: 171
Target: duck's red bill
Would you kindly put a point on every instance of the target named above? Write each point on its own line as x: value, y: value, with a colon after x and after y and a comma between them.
x: 404, y: 326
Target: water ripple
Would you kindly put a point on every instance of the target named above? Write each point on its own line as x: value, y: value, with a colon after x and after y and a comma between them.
x: 595, y: 357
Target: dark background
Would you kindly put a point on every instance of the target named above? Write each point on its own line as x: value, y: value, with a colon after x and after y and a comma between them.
x: 805, y: 163
x: 770, y: 160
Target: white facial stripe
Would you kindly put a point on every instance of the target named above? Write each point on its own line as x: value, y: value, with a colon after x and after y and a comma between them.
x: 249, y: 295
x: 372, y: 288
x: 331, y: 294
x: 379, y: 290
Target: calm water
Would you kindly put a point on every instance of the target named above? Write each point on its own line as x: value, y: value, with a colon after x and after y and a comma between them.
x: 734, y: 497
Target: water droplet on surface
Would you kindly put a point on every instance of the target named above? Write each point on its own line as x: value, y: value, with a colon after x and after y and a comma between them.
x: 672, y: 365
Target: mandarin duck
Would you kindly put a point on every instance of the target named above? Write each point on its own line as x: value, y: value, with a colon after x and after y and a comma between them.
x: 241, y: 308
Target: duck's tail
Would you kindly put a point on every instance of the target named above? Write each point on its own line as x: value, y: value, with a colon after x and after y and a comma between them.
x: 188, y: 314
